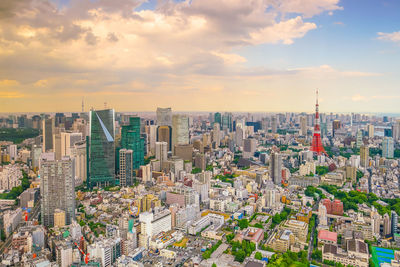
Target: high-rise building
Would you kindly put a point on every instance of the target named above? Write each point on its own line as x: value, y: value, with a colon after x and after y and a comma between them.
x: 164, y: 135
x: 57, y: 189
x: 200, y: 161
x: 47, y: 129
x: 275, y: 168
x: 387, y: 227
x: 371, y: 130
x: 125, y: 167
x: 12, y: 150
x: 180, y: 130
x: 270, y: 197
x: 78, y: 153
x: 68, y: 141
x: 131, y: 139
x: 375, y: 222
x: 57, y: 144
x: 335, y: 126
x: 250, y: 146
x: 226, y: 121
x: 303, y: 125
x: 274, y: 124
x: 161, y: 151
x: 217, y: 118
x: 322, y: 215
x: 396, y: 130
x: 164, y: 116
x: 388, y: 148
x: 151, y: 131
x: 216, y: 134
x: 359, y: 139
x: 101, y: 148
x: 364, y: 156
x: 394, y: 222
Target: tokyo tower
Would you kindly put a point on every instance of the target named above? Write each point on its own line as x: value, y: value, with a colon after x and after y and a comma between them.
x: 316, y: 141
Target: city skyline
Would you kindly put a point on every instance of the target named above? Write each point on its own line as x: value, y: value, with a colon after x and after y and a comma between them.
x: 199, y: 55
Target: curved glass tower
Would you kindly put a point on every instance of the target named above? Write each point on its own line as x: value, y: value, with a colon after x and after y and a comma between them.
x: 101, y: 149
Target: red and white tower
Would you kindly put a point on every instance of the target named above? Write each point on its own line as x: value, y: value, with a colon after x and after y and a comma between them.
x: 316, y: 141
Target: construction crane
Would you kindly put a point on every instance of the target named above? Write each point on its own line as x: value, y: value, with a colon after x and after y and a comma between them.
x: 86, y: 256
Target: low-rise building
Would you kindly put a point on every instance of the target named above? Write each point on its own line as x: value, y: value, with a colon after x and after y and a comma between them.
x: 356, y: 254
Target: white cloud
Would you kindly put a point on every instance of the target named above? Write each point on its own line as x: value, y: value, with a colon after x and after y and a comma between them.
x: 392, y: 37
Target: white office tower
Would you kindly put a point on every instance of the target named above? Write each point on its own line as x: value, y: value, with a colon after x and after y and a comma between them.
x: 68, y: 140
x: 63, y: 253
x: 107, y: 250
x: 152, y: 135
x: 375, y: 222
x: 130, y: 243
x: 57, y: 189
x: 322, y: 215
x: 12, y: 151
x: 152, y: 224
x: 371, y: 130
x: 202, y: 189
x: 161, y: 152
x: 216, y: 135
x: 180, y: 130
x: 270, y: 198
x: 146, y: 173
x: 396, y: 130
x: 36, y: 152
x: 275, y: 168
x: 79, y: 155
x: 388, y: 148
x: 355, y: 161
x: 239, y: 136
x: 125, y: 167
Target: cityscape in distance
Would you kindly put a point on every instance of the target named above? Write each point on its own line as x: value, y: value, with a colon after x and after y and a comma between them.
x: 210, y: 133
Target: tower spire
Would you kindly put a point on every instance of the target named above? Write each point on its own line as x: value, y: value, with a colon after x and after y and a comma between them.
x: 317, y: 142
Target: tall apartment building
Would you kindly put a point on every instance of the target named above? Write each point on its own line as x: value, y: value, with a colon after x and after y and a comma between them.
x: 364, y: 156
x: 388, y: 148
x: 125, y: 167
x: 57, y: 189
x: 275, y: 168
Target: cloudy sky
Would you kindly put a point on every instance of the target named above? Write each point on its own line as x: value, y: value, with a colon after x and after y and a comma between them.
x: 206, y: 55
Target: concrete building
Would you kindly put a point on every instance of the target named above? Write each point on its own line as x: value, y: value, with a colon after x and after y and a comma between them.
x: 57, y: 189
x: 125, y: 167
x: 180, y: 130
x: 68, y: 141
x: 275, y: 168
x: 388, y: 148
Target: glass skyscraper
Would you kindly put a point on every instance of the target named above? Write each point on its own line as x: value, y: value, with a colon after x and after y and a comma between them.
x: 131, y: 139
x: 101, y: 148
